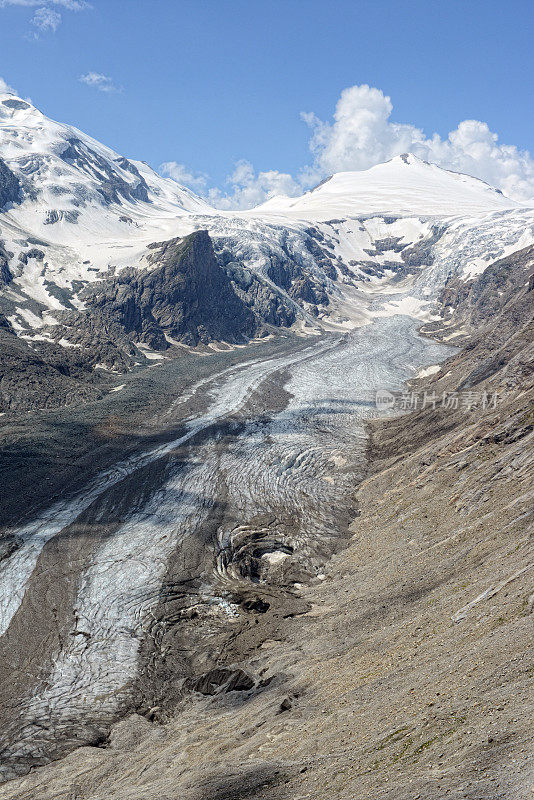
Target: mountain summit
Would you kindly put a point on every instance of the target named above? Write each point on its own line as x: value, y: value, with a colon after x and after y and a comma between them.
x: 66, y: 175
x: 404, y: 185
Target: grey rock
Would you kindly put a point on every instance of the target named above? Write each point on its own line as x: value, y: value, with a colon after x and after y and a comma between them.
x: 10, y: 188
x: 184, y: 295
x: 40, y: 377
x: 54, y: 216
x: 221, y: 680
x: 111, y: 186
x: 6, y: 276
x: 33, y: 252
x: 15, y: 104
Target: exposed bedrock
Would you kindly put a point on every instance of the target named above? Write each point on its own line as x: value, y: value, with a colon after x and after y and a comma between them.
x: 10, y: 188
x: 184, y: 295
x: 5, y: 273
x: 43, y: 376
x: 111, y: 185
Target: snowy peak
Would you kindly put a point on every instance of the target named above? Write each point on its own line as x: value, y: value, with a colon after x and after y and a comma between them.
x: 405, y: 185
x: 64, y: 172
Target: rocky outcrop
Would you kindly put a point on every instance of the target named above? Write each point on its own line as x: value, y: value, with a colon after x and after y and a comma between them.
x: 5, y: 273
x: 296, y: 264
x: 111, y: 186
x: 420, y: 254
x: 53, y: 216
x: 15, y: 104
x: 480, y: 300
x: 184, y: 295
x: 268, y: 305
x: 10, y: 188
x: 221, y: 680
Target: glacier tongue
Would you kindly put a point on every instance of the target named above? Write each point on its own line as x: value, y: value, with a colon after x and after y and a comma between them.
x: 296, y: 467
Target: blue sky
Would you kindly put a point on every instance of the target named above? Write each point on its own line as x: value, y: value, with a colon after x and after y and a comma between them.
x: 208, y: 83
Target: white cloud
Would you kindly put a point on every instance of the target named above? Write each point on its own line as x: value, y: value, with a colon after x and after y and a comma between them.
x: 5, y: 88
x: 245, y: 188
x: 248, y: 189
x: 99, y: 81
x: 68, y: 5
x: 46, y: 19
x: 361, y: 135
x: 181, y: 174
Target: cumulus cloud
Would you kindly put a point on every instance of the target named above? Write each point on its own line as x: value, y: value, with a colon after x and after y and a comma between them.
x: 360, y: 135
x: 99, y: 81
x: 5, y: 88
x: 244, y: 187
x: 181, y: 174
x: 247, y: 189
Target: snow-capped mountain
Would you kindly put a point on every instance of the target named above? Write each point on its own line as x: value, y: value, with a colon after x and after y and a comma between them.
x: 66, y: 174
x: 403, y: 185
x: 92, y: 268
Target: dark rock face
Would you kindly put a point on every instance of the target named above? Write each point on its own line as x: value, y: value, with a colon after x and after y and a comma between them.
x: 99, y: 339
x: 185, y: 295
x: 495, y: 310
x: 10, y: 188
x: 221, y: 679
x: 287, y: 267
x: 420, y: 253
x: 322, y: 259
x: 266, y: 303
x: 5, y: 273
x: 293, y: 278
x: 33, y: 252
x: 41, y: 377
x: 485, y: 297
x: 109, y: 183
x: 15, y: 104
x: 5, y: 324
x: 8, y: 544
x: 140, y: 191
x: 54, y: 216
x: 389, y: 244
x: 414, y: 257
